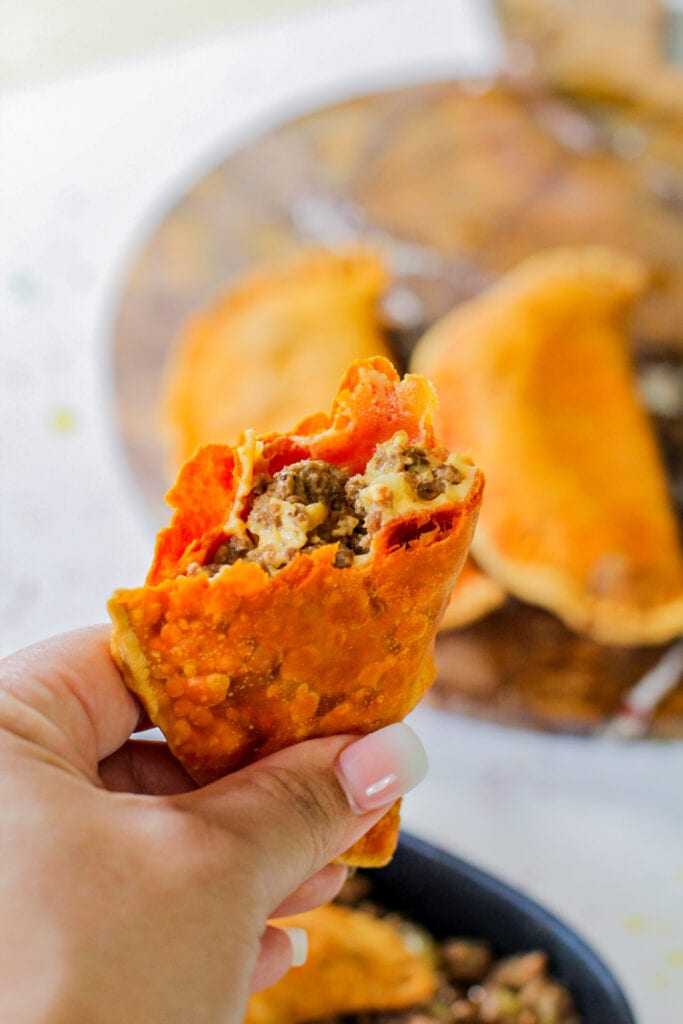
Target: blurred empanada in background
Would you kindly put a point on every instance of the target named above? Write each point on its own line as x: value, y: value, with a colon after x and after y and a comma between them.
x: 355, y: 962
x: 534, y: 377
x: 271, y: 347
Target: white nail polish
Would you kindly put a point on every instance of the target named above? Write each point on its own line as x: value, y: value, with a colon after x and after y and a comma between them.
x: 299, y: 940
x: 379, y: 768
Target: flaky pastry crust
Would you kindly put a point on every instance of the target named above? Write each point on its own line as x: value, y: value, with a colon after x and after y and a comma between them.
x: 239, y: 664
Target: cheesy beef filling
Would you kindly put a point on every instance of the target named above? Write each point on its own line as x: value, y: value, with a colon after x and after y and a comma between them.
x: 312, y: 503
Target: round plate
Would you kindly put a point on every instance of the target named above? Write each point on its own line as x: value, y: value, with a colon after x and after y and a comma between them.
x: 456, y: 182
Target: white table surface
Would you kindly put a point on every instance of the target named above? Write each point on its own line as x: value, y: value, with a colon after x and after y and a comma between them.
x: 593, y: 829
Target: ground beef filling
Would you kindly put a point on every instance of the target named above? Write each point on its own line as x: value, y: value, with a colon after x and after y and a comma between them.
x: 476, y: 986
x: 312, y: 503
x: 427, y: 476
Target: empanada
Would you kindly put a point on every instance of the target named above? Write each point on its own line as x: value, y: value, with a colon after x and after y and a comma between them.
x: 299, y: 587
x: 534, y: 377
x: 355, y: 962
x: 271, y: 347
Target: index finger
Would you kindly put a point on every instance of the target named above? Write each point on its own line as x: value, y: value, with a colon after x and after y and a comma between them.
x: 73, y: 683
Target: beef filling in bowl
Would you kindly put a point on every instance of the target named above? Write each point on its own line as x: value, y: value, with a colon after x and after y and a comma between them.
x: 430, y: 938
x: 503, y: 958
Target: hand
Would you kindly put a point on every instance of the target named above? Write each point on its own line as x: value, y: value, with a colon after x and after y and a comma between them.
x: 130, y: 895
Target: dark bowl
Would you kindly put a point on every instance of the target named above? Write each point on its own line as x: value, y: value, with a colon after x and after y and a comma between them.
x: 451, y: 897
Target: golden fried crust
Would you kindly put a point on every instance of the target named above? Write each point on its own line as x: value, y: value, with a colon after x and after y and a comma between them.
x: 475, y: 595
x: 534, y: 377
x: 238, y: 665
x: 376, y: 847
x: 355, y: 962
x: 212, y: 643
x: 271, y: 347
x: 371, y: 405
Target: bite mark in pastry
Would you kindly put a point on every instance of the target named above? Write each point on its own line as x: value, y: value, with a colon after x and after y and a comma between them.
x: 300, y: 584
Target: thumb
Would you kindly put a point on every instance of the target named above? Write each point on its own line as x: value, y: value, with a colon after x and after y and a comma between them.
x: 298, y: 809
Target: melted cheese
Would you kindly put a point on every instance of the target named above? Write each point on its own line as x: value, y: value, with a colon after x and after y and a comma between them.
x: 392, y: 495
x: 285, y: 527
x: 288, y: 532
x: 246, y: 455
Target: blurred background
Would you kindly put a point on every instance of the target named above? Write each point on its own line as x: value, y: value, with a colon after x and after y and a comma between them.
x: 46, y: 38
x: 151, y: 155
x: 42, y: 39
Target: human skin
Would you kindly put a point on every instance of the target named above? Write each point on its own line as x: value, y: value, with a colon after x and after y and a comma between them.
x: 130, y: 895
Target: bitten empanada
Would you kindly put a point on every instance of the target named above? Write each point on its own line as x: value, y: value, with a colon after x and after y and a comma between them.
x: 534, y: 377
x: 300, y: 584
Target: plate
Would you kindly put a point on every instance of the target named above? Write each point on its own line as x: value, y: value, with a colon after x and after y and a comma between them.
x: 456, y: 181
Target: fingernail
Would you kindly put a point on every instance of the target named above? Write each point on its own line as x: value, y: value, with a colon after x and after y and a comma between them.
x: 381, y: 767
x: 299, y: 940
